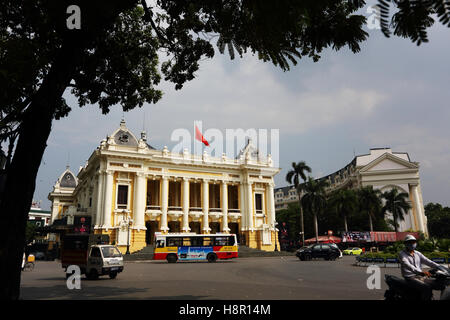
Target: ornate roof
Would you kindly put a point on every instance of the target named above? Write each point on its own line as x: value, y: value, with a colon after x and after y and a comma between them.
x: 68, y: 179
x: 123, y: 136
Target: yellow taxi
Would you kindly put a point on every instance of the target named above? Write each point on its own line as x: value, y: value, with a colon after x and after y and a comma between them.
x: 353, y: 251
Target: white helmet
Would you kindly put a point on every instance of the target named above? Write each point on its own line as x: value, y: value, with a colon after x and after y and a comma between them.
x: 410, y: 237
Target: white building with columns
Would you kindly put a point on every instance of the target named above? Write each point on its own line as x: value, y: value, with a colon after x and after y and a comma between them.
x: 127, y: 183
x: 382, y: 169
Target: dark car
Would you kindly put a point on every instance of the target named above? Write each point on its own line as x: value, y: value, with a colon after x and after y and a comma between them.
x: 328, y: 251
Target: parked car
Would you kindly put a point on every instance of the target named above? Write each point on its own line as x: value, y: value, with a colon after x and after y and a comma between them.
x: 336, y: 246
x: 353, y: 251
x: 328, y: 251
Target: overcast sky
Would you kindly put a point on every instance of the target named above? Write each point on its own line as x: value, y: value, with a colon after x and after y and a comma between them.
x: 391, y: 94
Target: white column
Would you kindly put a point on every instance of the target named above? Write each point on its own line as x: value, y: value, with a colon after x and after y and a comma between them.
x: 164, y: 203
x: 98, y: 205
x: 412, y: 211
x: 418, y: 207
x: 186, y: 205
x: 271, y: 206
x: 55, y: 207
x: 108, y: 200
x: 244, y: 225
x: 139, y: 201
x: 249, y: 206
x: 224, y: 206
x: 205, y: 205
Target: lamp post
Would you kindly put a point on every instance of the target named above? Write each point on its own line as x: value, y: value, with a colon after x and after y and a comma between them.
x: 276, y: 235
x: 129, y: 221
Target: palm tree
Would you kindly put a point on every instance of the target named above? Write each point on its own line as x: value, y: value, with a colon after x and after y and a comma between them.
x: 345, y: 203
x: 370, y: 202
x: 397, y: 204
x: 293, y: 177
x: 314, y: 199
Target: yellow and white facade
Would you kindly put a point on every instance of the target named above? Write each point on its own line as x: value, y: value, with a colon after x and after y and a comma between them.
x: 129, y: 189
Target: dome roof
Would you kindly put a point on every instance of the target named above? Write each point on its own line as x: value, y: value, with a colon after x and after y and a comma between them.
x: 124, y: 137
x: 68, y: 179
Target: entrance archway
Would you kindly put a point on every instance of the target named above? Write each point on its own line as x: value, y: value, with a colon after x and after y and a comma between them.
x: 215, y: 227
x: 195, y: 227
x: 174, y: 226
x: 152, y: 227
x: 234, y: 229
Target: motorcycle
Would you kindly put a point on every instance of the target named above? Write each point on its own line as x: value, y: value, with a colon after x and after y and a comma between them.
x: 400, y: 289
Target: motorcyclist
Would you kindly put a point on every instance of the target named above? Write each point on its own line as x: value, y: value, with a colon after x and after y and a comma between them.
x: 411, y: 267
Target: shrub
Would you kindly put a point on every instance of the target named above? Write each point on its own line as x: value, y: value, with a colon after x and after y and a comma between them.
x: 427, y: 245
x: 395, y: 247
x: 444, y: 245
x: 429, y: 255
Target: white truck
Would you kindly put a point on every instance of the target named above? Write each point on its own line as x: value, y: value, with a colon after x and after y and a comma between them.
x: 92, y: 254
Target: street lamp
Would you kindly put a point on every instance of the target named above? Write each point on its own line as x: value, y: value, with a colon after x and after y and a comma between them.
x: 129, y: 221
x: 276, y: 235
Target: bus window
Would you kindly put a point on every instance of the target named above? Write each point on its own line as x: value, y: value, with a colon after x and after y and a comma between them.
x: 196, y: 241
x: 208, y: 241
x: 230, y: 241
x: 221, y: 241
x: 186, y: 242
x: 160, y: 243
x: 174, y: 242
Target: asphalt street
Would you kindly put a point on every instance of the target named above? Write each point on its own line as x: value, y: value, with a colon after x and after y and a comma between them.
x: 279, y: 278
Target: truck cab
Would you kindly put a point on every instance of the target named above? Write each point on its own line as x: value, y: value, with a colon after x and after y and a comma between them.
x: 104, y: 260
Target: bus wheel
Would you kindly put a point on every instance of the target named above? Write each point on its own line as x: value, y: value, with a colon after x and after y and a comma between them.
x: 212, y: 257
x: 171, y: 258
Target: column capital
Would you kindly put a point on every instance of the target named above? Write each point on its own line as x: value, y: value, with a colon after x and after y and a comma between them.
x: 109, y: 172
x: 206, y: 180
x: 186, y: 179
x: 414, y: 184
x: 140, y: 174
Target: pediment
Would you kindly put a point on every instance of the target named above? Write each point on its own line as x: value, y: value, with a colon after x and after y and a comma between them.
x: 124, y: 137
x: 388, y: 162
x: 68, y: 179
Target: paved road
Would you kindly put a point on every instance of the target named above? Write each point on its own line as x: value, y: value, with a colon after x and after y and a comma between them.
x: 281, y: 278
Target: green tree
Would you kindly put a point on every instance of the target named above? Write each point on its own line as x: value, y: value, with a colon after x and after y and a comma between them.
x: 438, y: 220
x: 413, y: 18
x: 396, y: 204
x: 30, y: 232
x: 293, y: 176
x: 345, y: 203
x: 314, y: 199
x: 370, y: 203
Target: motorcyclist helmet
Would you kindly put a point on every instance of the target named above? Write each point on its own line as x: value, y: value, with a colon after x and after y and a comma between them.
x: 410, y: 242
x: 410, y: 238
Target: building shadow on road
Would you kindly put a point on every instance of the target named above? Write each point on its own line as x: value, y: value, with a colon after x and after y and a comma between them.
x: 61, y: 292
x: 85, y: 293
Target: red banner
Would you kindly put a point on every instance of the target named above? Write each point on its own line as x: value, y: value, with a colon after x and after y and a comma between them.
x: 377, y: 236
